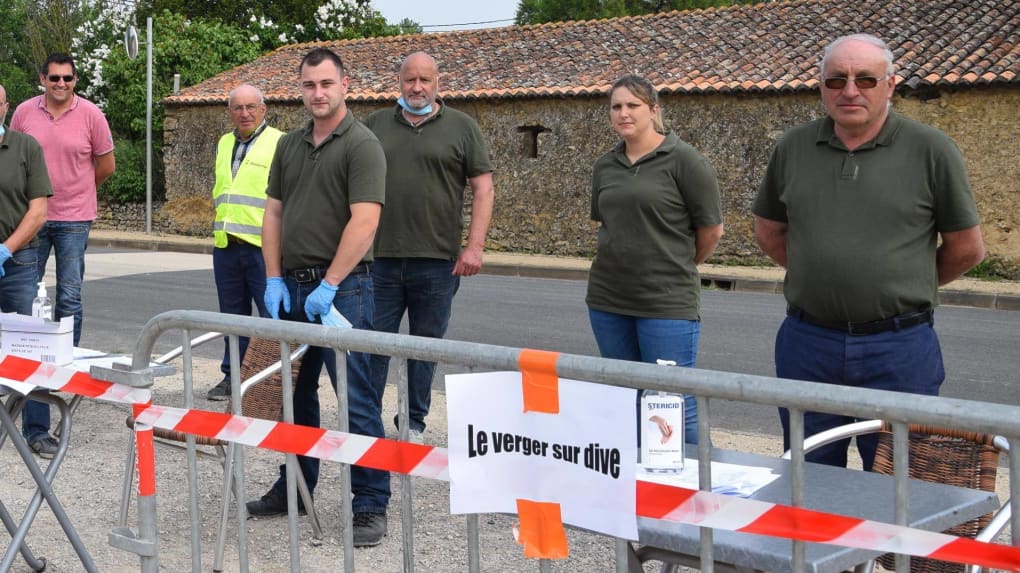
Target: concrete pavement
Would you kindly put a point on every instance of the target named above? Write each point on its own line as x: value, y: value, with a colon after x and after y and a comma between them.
x: 1000, y: 295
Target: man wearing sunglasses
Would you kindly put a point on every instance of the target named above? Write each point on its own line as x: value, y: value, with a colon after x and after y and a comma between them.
x: 854, y: 205
x: 78, y: 147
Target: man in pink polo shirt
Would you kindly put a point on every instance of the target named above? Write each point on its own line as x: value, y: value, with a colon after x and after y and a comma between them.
x: 78, y: 148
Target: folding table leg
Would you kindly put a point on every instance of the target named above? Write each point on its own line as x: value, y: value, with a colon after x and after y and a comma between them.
x: 33, y: 562
x: 43, y: 482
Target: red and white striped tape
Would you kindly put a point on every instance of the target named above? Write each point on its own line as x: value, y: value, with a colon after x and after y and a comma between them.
x: 653, y: 500
x: 24, y: 375
x: 378, y: 453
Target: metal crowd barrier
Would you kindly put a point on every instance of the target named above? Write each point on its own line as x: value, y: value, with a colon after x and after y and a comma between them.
x: 707, y: 385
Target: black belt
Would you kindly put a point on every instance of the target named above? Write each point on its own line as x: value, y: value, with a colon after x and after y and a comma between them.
x: 236, y: 240
x: 315, y: 274
x: 865, y: 328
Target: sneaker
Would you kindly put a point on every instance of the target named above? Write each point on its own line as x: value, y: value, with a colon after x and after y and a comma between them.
x: 45, y: 447
x: 272, y: 504
x: 369, y: 528
x: 415, y: 436
x: 220, y: 392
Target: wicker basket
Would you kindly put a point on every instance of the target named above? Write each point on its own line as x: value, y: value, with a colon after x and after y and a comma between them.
x: 964, y: 459
x: 263, y: 400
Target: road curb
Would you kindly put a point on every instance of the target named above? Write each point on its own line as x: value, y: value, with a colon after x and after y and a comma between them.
x: 952, y: 297
x: 549, y: 267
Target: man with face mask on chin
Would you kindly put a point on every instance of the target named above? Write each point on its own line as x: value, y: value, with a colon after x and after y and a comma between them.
x: 432, y: 153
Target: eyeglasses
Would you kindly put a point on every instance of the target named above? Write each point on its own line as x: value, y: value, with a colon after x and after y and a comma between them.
x: 250, y: 108
x: 862, y: 82
x: 54, y: 78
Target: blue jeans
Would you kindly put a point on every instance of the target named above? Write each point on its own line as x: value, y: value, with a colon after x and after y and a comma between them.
x: 646, y: 340
x: 425, y: 289
x: 240, y: 273
x: 908, y: 360
x: 68, y: 240
x: 17, y: 289
x: 354, y: 300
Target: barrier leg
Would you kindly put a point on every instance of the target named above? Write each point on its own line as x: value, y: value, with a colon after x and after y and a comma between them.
x: 129, y: 480
x: 144, y: 544
x: 221, y: 534
x: 406, y: 493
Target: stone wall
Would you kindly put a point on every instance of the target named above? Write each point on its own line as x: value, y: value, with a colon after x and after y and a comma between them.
x: 543, y: 150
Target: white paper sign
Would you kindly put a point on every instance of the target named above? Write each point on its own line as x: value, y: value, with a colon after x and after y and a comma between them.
x: 583, y: 458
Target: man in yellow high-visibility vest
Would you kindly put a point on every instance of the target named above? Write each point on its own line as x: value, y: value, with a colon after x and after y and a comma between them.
x: 239, y: 196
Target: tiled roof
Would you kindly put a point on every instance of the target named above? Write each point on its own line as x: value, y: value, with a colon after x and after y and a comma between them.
x: 770, y: 47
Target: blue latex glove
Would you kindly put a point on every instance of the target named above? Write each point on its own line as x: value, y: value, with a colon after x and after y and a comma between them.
x: 5, y: 254
x: 320, y: 301
x: 276, y: 292
x: 334, y: 319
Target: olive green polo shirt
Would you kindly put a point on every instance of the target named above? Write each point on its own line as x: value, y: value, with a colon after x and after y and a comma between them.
x: 317, y: 185
x: 862, y: 225
x: 428, y: 167
x: 649, y: 210
x: 23, y: 177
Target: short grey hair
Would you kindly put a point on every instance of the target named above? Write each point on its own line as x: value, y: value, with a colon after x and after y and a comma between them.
x: 890, y: 67
x: 233, y: 92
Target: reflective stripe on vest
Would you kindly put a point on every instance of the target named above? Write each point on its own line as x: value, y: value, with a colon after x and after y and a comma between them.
x: 233, y: 199
x: 236, y: 228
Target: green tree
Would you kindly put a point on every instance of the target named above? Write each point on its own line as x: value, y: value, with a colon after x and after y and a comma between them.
x: 541, y: 11
x: 287, y: 21
x: 195, y: 49
x: 16, y: 68
x: 52, y: 25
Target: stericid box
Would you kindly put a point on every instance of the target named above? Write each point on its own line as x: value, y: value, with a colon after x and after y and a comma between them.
x: 37, y: 338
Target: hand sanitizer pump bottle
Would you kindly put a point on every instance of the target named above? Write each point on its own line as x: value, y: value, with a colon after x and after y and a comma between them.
x: 41, y: 305
x: 662, y: 430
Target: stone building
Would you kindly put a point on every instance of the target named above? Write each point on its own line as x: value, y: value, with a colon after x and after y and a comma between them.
x: 732, y: 80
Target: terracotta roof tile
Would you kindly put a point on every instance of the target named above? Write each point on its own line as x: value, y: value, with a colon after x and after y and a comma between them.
x: 768, y: 47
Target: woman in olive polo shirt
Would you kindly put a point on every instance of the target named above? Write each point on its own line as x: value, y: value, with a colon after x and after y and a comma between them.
x: 657, y: 200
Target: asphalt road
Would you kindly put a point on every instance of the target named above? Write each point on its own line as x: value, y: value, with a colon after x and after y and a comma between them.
x: 124, y: 289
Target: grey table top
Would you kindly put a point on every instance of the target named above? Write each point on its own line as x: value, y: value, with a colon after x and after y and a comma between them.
x: 933, y: 507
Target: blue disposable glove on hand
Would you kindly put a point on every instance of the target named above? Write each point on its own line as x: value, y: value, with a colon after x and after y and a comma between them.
x: 5, y: 254
x: 320, y: 301
x: 276, y: 292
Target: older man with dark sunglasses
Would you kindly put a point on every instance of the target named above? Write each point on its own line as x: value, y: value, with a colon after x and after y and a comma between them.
x: 854, y: 205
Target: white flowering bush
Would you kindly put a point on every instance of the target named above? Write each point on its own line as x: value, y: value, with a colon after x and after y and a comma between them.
x: 93, y: 43
x: 342, y: 18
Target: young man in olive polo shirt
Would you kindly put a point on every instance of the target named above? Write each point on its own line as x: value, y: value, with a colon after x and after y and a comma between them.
x: 326, y: 190
x: 432, y: 153
x: 853, y: 205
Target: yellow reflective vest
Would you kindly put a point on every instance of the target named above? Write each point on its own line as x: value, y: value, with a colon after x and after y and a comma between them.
x: 241, y: 201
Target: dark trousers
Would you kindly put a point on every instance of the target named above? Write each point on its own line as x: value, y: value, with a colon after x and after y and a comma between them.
x: 371, y: 488
x: 240, y: 273
x: 424, y: 288
x: 908, y: 360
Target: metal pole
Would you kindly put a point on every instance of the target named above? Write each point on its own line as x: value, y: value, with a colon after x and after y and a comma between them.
x: 148, y: 124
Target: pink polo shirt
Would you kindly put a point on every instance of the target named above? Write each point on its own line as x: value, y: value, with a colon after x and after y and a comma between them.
x: 70, y: 144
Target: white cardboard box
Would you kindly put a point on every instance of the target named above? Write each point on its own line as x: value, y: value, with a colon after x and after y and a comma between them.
x: 38, y: 339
